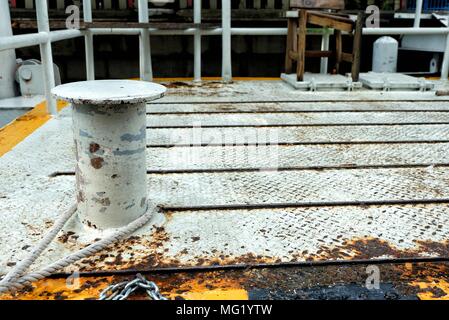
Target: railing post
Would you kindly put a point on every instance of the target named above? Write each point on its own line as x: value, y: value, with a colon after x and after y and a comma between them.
x: 445, y: 64
x: 46, y: 55
x: 324, y: 47
x: 89, y: 41
x: 418, y: 10
x: 146, y: 72
x: 226, y: 72
x: 197, y: 41
x: 7, y: 57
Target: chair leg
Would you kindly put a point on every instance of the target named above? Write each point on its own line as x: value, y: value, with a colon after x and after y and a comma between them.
x: 301, y: 45
x: 355, y: 71
x: 289, y: 46
x: 338, y: 50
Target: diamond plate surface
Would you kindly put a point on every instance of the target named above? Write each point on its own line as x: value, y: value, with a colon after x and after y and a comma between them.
x: 285, y: 235
x: 237, y: 157
x: 298, y: 186
x: 294, y: 106
x: 325, y: 228
x: 252, y: 119
x: 230, y: 136
x: 299, y: 234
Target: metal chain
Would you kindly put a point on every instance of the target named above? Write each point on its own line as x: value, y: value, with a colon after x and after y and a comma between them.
x: 122, y: 290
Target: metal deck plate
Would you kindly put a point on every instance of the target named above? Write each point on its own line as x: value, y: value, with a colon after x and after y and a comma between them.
x: 394, y: 81
x: 316, y: 81
x: 262, y: 107
x: 296, y: 156
x: 299, y: 118
x: 299, y: 186
x: 318, y: 134
x: 396, y: 206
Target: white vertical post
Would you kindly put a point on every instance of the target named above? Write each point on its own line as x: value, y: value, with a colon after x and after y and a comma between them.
x: 43, y: 26
x: 7, y: 57
x: 89, y: 41
x: 226, y: 72
x: 197, y: 41
x: 418, y: 10
x: 445, y: 64
x: 324, y: 47
x: 146, y: 72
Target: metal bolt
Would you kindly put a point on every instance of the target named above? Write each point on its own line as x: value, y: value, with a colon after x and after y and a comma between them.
x: 109, y: 127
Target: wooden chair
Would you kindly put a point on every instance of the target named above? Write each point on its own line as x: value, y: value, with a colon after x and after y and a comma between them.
x: 296, y: 40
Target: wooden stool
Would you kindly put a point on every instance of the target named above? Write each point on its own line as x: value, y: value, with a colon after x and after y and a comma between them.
x: 296, y: 40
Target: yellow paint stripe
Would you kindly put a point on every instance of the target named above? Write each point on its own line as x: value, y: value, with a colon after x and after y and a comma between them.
x: 431, y: 283
x: 16, y: 131
x: 217, y: 294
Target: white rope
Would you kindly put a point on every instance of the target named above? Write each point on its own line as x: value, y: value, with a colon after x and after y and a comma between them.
x: 23, y: 266
x: 15, y: 284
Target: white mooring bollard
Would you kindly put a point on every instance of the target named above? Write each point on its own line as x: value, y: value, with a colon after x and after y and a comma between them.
x: 109, y: 128
x: 385, y: 55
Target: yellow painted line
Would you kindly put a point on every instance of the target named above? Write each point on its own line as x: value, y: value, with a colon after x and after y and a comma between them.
x: 217, y: 294
x: 64, y: 288
x: 427, y: 287
x: 16, y: 131
x: 81, y: 288
x: 208, y: 287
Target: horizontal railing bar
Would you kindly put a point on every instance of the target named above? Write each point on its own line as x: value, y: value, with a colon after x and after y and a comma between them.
x: 23, y: 40
x: 60, y: 35
x: 27, y: 40
x: 400, y: 31
x: 34, y: 39
x: 266, y: 31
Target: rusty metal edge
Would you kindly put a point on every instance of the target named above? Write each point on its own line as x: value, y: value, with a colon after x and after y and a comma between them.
x: 306, y: 264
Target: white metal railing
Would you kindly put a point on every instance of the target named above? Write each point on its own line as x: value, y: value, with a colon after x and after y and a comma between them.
x: 45, y: 37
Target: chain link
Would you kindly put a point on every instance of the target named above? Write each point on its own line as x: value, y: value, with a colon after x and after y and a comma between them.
x: 122, y: 290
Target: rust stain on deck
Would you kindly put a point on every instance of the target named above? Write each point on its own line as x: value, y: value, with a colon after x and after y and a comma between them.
x: 398, y: 281
x: 141, y: 253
